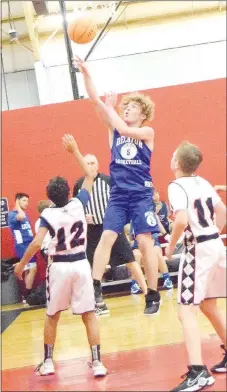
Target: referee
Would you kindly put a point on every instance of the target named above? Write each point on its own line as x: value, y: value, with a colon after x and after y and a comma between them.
x: 95, y: 211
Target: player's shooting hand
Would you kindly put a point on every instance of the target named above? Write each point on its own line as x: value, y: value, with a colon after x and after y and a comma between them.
x: 18, y: 270
x: 80, y: 64
x: 111, y: 98
x: 69, y: 143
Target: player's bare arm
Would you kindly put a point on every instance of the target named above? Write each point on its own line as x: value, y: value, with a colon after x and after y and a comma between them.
x: 179, y: 225
x: 220, y: 211
x: 91, y: 90
x: 33, y: 247
x: 142, y: 133
x: 71, y: 146
x: 222, y: 188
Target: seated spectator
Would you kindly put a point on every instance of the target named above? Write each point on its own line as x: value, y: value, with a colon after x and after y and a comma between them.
x: 21, y: 230
x: 162, y: 210
x: 41, y: 206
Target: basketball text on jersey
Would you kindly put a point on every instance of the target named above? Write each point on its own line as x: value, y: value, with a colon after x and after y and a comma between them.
x: 126, y: 152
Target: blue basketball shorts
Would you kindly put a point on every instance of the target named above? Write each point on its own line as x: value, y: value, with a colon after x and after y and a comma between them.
x: 20, y: 250
x: 155, y: 238
x: 135, y: 207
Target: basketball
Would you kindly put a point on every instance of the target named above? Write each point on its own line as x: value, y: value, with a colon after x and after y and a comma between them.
x: 83, y: 30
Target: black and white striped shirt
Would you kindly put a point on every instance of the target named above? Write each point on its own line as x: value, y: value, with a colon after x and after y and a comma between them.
x: 99, y: 197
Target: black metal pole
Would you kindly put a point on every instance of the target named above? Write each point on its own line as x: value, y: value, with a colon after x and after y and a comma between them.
x: 4, y: 80
x: 101, y: 32
x: 72, y: 70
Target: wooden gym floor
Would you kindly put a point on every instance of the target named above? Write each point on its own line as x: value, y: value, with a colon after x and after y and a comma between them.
x: 141, y: 353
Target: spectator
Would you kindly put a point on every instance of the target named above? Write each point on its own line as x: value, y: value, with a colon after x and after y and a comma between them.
x: 20, y: 227
x: 41, y: 206
x: 162, y: 210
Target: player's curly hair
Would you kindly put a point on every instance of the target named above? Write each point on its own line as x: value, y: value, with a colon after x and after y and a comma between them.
x: 189, y: 157
x: 147, y: 105
x: 58, y: 191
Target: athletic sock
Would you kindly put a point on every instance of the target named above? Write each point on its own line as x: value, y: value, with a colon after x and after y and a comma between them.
x: 95, y: 352
x: 48, y: 351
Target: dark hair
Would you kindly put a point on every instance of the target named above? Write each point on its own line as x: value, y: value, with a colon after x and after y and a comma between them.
x: 189, y: 157
x: 58, y: 191
x: 19, y: 195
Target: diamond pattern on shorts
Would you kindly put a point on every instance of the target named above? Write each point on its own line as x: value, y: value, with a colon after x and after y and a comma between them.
x: 47, y: 285
x: 188, y: 271
x: 188, y: 282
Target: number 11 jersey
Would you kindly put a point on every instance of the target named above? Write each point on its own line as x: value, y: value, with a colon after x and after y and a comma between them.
x: 67, y: 226
x: 198, y: 197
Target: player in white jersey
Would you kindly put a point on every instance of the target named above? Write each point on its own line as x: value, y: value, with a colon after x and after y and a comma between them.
x: 198, y: 211
x: 69, y: 280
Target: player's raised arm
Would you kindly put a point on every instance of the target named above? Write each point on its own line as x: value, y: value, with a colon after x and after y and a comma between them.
x: 71, y: 146
x: 91, y: 90
x: 138, y: 132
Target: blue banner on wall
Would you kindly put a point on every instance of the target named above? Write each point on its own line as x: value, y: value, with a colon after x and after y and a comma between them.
x: 4, y: 212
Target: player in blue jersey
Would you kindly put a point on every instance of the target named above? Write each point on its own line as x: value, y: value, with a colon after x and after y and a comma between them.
x: 162, y: 210
x: 132, y: 143
x: 69, y: 281
x: 20, y: 227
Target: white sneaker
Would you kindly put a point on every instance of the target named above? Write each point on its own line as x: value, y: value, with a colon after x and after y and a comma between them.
x: 46, y: 368
x: 99, y: 369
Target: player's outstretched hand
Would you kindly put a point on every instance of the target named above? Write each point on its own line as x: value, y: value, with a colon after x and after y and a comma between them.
x: 69, y: 143
x: 111, y: 98
x: 80, y: 64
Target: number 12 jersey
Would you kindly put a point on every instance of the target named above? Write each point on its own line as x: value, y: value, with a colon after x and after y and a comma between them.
x: 67, y: 226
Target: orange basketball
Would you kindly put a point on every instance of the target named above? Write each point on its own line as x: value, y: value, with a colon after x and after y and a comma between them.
x: 82, y: 30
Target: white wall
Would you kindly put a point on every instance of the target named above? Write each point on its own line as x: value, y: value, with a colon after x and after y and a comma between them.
x: 135, y: 58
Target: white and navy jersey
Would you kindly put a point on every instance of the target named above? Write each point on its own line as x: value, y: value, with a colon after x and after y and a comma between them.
x: 130, y: 164
x: 67, y: 226
x: 199, y: 198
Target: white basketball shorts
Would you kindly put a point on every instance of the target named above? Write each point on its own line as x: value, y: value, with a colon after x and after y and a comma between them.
x: 202, y: 272
x: 69, y: 284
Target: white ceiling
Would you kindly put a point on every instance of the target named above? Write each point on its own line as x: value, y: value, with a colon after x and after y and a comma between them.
x: 136, y: 11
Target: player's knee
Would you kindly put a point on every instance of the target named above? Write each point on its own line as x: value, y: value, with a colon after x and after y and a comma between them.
x: 88, y: 317
x: 108, y: 238
x: 53, y: 319
x: 143, y: 241
x: 208, y: 307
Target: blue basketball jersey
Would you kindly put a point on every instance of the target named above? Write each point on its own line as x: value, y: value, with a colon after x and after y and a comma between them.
x: 21, y: 230
x: 163, y: 216
x: 130, y: 164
